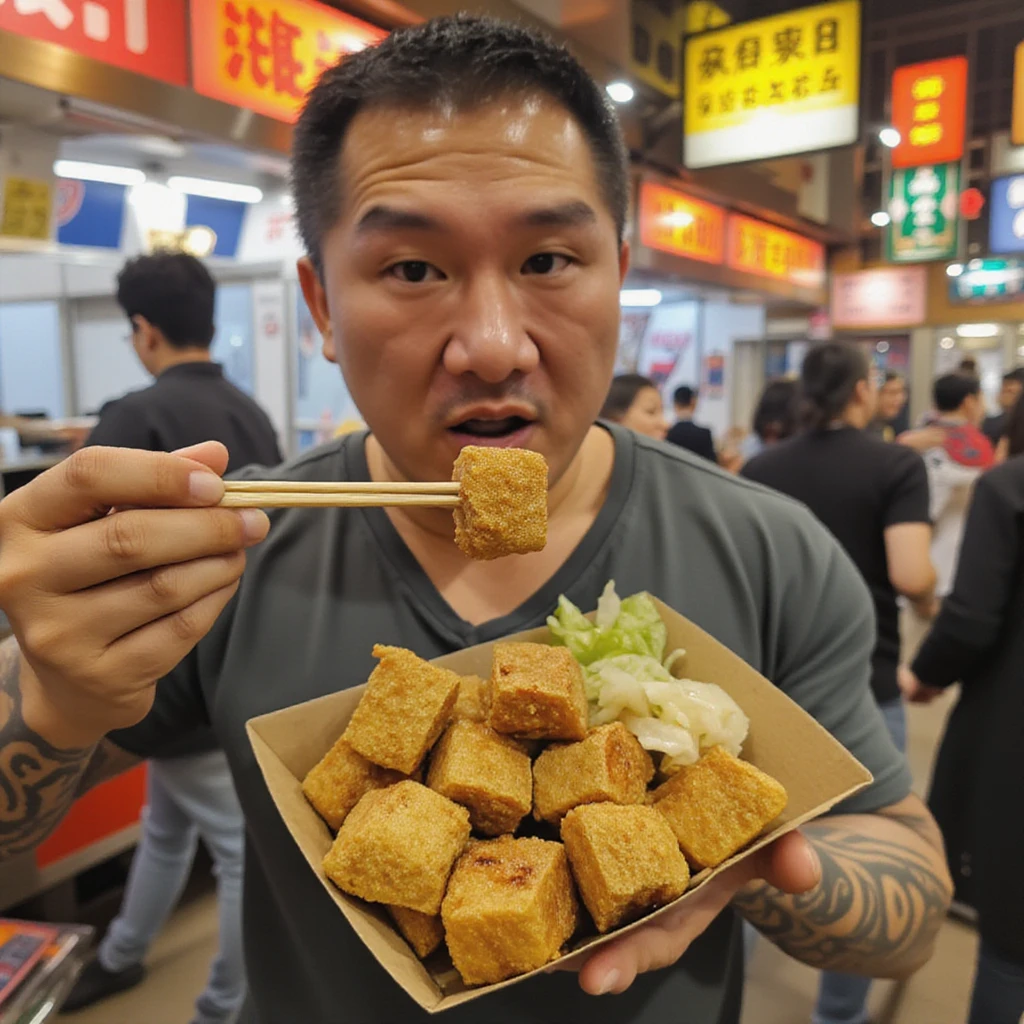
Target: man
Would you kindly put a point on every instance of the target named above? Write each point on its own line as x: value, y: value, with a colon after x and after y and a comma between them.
x: 956, y: 453
x: 684, y: 432
x: 462, y: 190
x: 1013, y: 387
x: 873, y: 497
x: 169, y: 301
x: 890, y: 420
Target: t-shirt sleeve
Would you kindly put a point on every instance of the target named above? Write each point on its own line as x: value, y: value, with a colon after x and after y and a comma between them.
x: 120, y: 425
x: 907, y: 497
x: 825, y: 635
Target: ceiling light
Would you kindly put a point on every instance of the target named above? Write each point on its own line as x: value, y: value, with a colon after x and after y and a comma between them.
x: 211, y: 189
x: 977, y: 330
x: 109, y: 173
x: 199, y: 241
x: 640, y: 296
x: 882, y: 347
x: 157, y: 207
x: 890, y: 137
x: 880, y: 219
x: 954, y: 270
x: 620, y: 92
x: 947, y: 343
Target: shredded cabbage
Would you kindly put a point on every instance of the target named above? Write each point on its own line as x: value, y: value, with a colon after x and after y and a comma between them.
x: 627, y: 678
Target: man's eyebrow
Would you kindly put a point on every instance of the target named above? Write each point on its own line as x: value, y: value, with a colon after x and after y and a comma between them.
x: 388, y: 218
x: 564, y: 215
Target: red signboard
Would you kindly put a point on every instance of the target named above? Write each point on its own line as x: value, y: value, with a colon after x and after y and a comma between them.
x: 145, y: 36
x: 929, y: 108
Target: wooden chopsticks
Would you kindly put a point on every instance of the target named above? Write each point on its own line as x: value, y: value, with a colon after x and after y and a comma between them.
x: 320, y: 494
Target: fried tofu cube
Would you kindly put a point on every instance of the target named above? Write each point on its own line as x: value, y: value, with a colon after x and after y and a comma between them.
x: 473, y: 702
x: 485, y: 772
x: 342, y: 777
x: 503, y: 501
x: 398, y: 846
x: 625, y: 860
x: 424, y: 932
x: 609, y: 765
x: 537, y: 692
x: 510, y: 908
x: 718, y: 805
x: 406, y: 705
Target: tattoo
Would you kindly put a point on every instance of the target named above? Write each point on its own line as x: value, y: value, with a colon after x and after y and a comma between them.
x: 877, y: 908
x: 38, y: 782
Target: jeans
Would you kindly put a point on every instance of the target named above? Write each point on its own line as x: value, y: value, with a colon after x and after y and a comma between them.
x: 998, y: 996
x: 842, y: 998
x: 187, y: 797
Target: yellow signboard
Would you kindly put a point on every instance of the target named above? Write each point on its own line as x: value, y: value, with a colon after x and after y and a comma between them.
x: 1017, y: 130
x: 773, y: 87
x: 26, y: 208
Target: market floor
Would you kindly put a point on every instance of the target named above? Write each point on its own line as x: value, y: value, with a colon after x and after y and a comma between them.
x: 779, y: 990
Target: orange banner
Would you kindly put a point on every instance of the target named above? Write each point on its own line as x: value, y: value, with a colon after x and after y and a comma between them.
x: 929, y: 108
x: 767, y: 251
x: 679, y: 224
x: 265, y: 55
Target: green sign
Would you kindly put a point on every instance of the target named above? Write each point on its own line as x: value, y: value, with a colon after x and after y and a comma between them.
x: 990, y: 279
x: 923, y: 205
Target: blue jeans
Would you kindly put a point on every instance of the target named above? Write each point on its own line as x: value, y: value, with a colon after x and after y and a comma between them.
x: 998, y: 996
x: 843, y: 998
x: 187, y: 797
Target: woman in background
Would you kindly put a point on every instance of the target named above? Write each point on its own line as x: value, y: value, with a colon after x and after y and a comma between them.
x: 775, y: 417
x: 634, y: 401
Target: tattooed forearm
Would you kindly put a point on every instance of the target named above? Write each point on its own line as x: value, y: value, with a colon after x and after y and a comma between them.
x: 883, y: 894
x: 38, y: 782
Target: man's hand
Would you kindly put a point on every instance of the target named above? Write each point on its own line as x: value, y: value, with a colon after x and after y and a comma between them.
x: 112, y: 567
x: 914, y: 690
x: 790, y: 864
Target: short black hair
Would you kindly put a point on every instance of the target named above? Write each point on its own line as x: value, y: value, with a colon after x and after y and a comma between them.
x: 777, y: 414
x: 622, y: 394
x: 684, y: 395
x: 174, y: 292
x: 950, y: 390
x: 461, y: 61
x: 830, y: 374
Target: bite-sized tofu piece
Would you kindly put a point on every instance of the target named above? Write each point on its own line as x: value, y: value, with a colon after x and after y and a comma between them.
x: 625, y: 860
x: 342, y: 777
x: 718, y: 805
x: 424, y: 932
x: 609, y: 765
x: 485, y: 772
x: 398, y: 846
x: 503, y: 501
x: 474, y: 700
x: 509, y: 909
x: 405, y: 707
x: 537, y: 692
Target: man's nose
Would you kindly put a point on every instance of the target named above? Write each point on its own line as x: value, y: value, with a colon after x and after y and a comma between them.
x: 489, y: 338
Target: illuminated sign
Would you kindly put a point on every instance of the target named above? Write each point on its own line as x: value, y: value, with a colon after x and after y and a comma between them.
x: 923, y: 207
x: 679, y: 224
x: 766, y: 251
x: 1017, y: 127
x: 1006, y: 215
x: 895, y: 297
x: 988, y: 280
x: 780, y: 85
x: 265, y: 55
x: 929, y: 107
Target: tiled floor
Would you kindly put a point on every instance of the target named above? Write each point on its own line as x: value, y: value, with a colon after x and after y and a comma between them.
x: 779, y: 990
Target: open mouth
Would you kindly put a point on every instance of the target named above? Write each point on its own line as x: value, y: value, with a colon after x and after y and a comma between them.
x: 491, y: 429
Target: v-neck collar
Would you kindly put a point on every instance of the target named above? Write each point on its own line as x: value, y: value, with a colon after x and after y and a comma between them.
x: 538, y: 606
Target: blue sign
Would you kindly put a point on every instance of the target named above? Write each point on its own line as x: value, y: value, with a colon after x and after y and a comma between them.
x: 90, y: 213
x: 223, y: 216
x: 1006, y: 215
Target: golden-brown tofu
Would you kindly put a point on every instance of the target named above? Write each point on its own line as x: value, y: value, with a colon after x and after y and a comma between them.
x: 625, y: 860
x: 609, y: 765
x: 474, y: 700
x: 335, y: 785
x: 424, y: 932
x: 398, y: 846
x: 718, y: 805
x: 537, y: 692
x: 509, y: 909
x: 405, y: 707
x: 503, y: 506
x: 485, y: 772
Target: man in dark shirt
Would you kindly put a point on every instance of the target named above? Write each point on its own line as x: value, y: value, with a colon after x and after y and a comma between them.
x: 873, y: 497
x: 1013, y: 387
x: 169, y: 301
x: 685, y: 432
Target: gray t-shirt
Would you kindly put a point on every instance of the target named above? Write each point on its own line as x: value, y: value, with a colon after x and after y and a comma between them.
x: 751, y: 567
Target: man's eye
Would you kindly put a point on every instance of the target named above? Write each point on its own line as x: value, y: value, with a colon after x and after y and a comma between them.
x: 546, y: 263
x: 415, y: 272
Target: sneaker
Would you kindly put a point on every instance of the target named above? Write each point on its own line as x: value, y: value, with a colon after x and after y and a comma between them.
x: 96, y: 983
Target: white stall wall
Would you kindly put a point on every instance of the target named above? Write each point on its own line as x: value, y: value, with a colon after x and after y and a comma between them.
x: 722, y: 324
x: 30, y: 358
x: 668, y: 353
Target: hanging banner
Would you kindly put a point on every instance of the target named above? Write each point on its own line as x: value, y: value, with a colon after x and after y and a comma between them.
x: 929, y: 110
x: 923, y: 205
x: 680, y: 224
x: 1017, y: 127
x: 26, y: 208
x: 1006, y: 215
x: 755, y: 247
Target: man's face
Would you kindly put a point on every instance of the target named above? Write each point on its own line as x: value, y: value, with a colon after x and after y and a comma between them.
x: 892, y: 396
x: 471, y: 283
x: 1009, y: 393
x: 973, y: 409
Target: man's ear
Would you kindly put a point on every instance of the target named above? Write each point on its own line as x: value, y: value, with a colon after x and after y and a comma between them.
x: 316, y: 299
x: 147, y: 337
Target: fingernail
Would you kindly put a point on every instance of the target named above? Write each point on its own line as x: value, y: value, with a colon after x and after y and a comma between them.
x: 254, y: 523
x: 611, y: 980
x: 814, y: 861
x: 206, y: 488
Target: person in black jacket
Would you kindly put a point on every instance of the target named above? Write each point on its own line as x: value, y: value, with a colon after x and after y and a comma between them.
x: 978, y: 784
x: 685, y: 432
x: 169, y: 301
